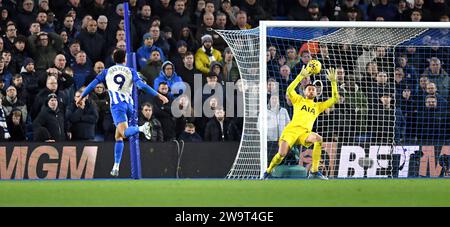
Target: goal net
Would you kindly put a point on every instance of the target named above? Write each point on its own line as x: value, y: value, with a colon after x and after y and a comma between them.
x: 391, y: 120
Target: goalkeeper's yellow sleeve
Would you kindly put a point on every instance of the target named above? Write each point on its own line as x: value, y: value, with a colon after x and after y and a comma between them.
x: 292, y: 94
x: 331, y: 101
x: 334, y: 92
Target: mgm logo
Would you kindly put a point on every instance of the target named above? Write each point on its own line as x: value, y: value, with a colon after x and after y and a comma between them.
x: 47, y: 162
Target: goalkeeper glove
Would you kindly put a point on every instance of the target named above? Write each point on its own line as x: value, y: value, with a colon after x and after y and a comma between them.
x: 331, y: 74
x: 304, y: 72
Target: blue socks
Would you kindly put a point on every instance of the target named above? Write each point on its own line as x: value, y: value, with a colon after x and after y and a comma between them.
x: 131, y: 131
x: 118, y: 149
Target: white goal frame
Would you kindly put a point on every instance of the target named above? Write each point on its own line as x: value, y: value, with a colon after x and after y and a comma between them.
x: 264, y: 25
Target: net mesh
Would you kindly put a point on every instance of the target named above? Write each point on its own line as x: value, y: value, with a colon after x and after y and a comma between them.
x: 245, y: 48
x: 388, y: 80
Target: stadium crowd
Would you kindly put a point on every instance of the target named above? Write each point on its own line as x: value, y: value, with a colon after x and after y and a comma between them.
x: 51, y: 49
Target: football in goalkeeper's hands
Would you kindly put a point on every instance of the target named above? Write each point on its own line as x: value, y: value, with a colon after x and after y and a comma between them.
x: 314, y: 67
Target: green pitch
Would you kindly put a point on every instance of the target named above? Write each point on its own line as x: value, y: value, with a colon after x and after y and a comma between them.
x: 223, y: 193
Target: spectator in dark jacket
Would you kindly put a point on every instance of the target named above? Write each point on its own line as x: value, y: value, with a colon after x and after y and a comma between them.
x: 432, y: 121
x: 143, y: 21
x: 177, y: 57
x: 221, y: 22
x: 230, y: 12
x: 26, y: 16
x: 163, y: 113
x: 7, y: 14
x: 220, y: 129
x: 9, y: 64
x: 60, y: 70
x: 159, y: 40
x: 33, y: 29
x: 207, y: 29
x: 97, y: 69
x: 16, y: 126
x: 420, y: 8
x: 41, y: 98
x: 105, y: 30
x: 19, y: 52
x: 69, y: 26
x: 10, y: 37
x: 81, y: 70
x: 349, y: 7
x: 30, y: 81
x: 385, y: 10
x: 167, y: 33
x: 438, y: 8
x: 152, y: 127
x: 187, y: 36
x: 439, y: 76
x: 82, y: 119
x: 118, y: 14
x: 105, y: 126
x: 92, y: 42
x: 72, y: 51
x: 212, y: 89
x: 42, y: 18
x: 22, y: 93
x: 208, y: 113
x: 189, y: 134
x: 152, y: 67
x: 188, y: 70
x: 255, y: 12
x: 119, y: 40
x: 299, y: 11
x: 52, y: 119
x: 178, y: 18
x: 162, y: 8
x: 69, y: 7
x: 217, y: 69
x: 97, y: 8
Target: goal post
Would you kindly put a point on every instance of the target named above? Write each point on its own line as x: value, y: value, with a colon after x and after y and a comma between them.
x: 360, y: 134
x: 249, y: 160
x: 135, y: 151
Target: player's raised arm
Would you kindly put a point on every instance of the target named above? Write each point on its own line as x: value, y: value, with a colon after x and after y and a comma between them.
x: 331, y: 75
x: 291, y: 88
x: 99, y: 78
x: 143, y: 86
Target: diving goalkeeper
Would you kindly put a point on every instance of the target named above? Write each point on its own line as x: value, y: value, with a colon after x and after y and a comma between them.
x: 298, y: 131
